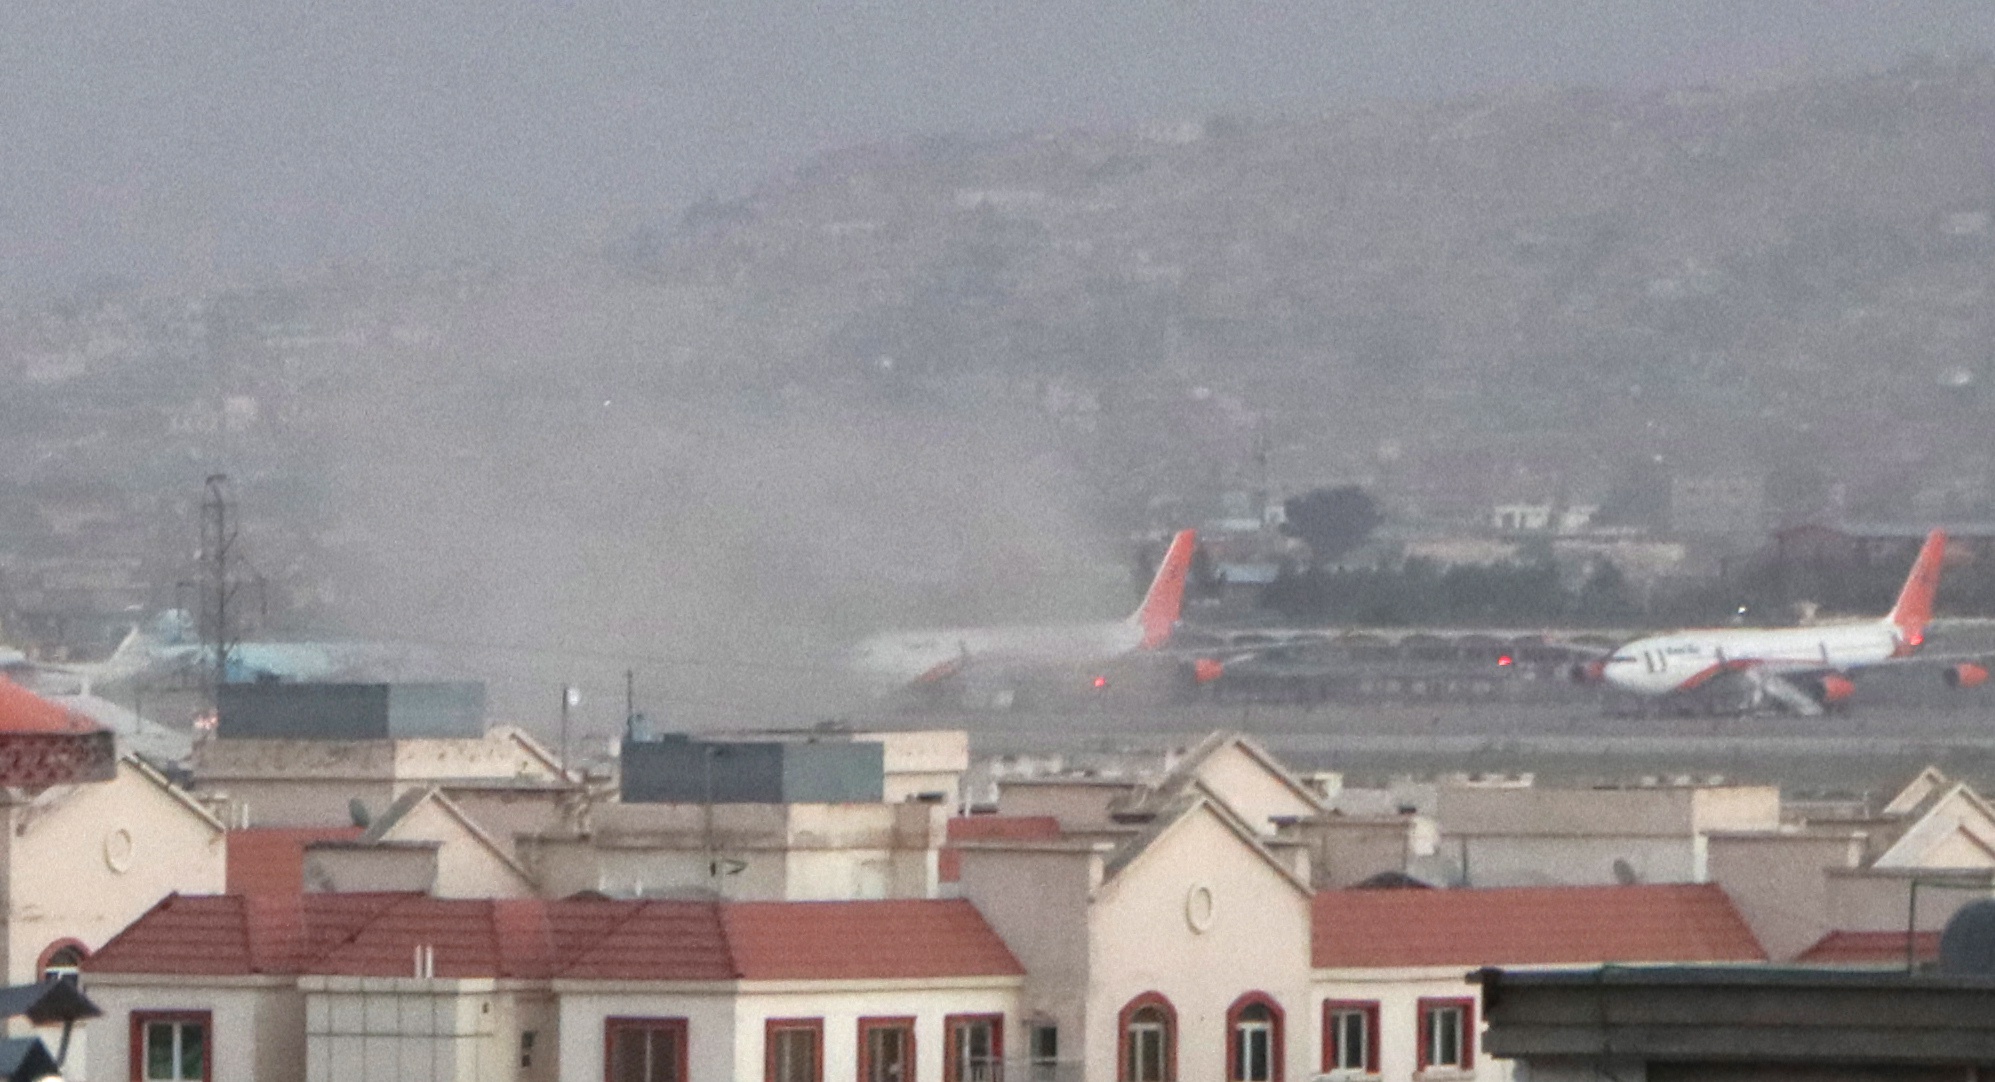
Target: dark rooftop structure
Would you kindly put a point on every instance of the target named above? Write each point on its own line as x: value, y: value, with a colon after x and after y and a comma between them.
x: 1665, y: 1023
x: 315, y: 711
x: 676, y: 769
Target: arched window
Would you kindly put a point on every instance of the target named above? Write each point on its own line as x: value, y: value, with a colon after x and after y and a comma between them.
x: 1149, y: 1050
x: 1254, y: 1039
x: 62, y: 960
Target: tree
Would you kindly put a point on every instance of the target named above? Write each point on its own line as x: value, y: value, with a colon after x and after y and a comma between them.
x: 1331, y: 521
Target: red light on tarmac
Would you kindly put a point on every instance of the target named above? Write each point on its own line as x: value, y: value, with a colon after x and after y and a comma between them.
x: 1100, y: 682
x: 1505, y: 661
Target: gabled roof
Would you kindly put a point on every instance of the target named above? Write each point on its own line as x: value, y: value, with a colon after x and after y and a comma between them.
x: 1870, y: 949
x: 576, y: 939
x: 534, y: 749
x: 1925, y: 783
x: 271, y: 860
x: 1196, y: 800
x: 1921, y: 828
x: 382, y: 830
x: 1528, y: 926
x: 1180, y: 779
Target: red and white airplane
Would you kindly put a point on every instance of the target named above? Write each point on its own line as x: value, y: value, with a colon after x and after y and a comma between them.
x: 1803, y: 668
x: 950, y: 656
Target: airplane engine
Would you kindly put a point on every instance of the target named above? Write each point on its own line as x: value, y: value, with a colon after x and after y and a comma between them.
x: 1965, y: 675
x: 1837, y: 688
x: 1588, y: 672
x: 1205, y: 670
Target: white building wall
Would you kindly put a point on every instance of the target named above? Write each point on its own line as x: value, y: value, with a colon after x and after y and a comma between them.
x: 85, y: 861
x: 1516, y: 861
x: 841, y: 1011
x: 586, y: 1008
x: 258, y: 1025
x: 1251, y: 789
x: 1202, y: 919
x: 1398, y: 993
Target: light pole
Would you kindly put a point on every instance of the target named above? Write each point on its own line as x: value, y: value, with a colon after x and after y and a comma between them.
x: 571, y: 697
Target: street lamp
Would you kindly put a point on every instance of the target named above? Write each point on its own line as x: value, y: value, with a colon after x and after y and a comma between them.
x: 571, y: 697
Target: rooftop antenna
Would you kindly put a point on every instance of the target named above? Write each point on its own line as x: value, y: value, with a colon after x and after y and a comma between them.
x: 219, y: 634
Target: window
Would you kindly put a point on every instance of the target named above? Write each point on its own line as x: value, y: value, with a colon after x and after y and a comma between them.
x: 1149, y: 1050
x: 1042, y: 1043
x: 1350, y: 1037
x: 62, y: 960
x: 1254, y: 1039
x: 794, y: 1048
x: 170, y: 1047
x: 975, y: 1049
x: 1447, y: 1034
x: 886, y: 1050
x: 526, y: 1048
x: 645, y: 1049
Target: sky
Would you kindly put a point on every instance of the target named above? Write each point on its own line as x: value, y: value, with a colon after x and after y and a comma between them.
x: 206, y: 140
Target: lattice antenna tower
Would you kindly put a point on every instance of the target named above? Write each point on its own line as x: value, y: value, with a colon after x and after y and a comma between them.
x: 219, y: 618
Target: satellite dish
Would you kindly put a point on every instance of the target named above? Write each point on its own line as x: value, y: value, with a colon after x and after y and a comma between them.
x: 356, y: 810
x: 1967, y: 946
x: 1624, y: 873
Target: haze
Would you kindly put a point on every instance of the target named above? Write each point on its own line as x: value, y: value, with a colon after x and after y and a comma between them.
x: 206, y: 140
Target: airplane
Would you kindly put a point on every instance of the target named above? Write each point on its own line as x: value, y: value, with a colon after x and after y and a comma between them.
x: 935, y: 660
x: 133, y: 655
x: 167, y: 646
x: 1804, y: 669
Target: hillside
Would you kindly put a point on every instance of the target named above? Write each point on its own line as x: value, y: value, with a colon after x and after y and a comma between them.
x: 1783, y: 273
x: 881, y: 386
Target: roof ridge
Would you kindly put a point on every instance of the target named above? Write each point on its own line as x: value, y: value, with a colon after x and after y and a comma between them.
x: 721, y: 910
x: 632, y: 912
x: 397, y: 810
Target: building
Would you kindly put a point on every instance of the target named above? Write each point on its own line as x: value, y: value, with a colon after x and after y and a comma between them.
x: 406, y: 987
x: 762, y: 851
x: 1167, y: 926
x: 312, y: 782
x: 1664, y: 1024
x: 1499, y: 836
x: 1841, y: 886
x: 1391, y: 967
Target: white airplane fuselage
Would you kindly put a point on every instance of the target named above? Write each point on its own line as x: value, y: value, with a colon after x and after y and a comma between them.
x: 1686, y: 660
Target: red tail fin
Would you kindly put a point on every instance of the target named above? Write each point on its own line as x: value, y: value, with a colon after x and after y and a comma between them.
x: 1165, y: 600
x: 1915, y: 602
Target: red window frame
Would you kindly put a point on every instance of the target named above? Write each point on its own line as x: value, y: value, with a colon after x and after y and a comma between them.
x: 142, y: 1019
x: 950, y: 1050
x: 773, y: 1026
x: 648, y: 1024
x: 1427, y: 1008
x: 867, y: 1026
x: 1334, y: 1007
x: 1277, y: 1024
x: 1147, y: 999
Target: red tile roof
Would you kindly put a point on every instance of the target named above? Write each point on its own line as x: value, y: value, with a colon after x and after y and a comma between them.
x: 1529, y: 926
x: 855, y: 940
x: 272, y: 861
x: 585, y: 939
x: 1870, y: 948
x: 23, y: 711
x: 990, y: 828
